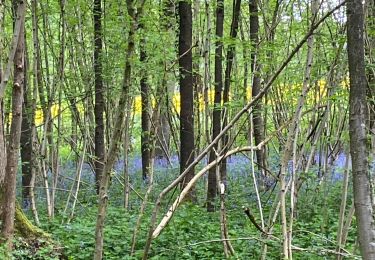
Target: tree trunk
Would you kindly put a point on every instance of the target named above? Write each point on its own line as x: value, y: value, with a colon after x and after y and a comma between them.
x: 146, y: 122
x: 15, y: 131
x: 216, y: 114
x: 369, y: 52
x: 186, y: 92
x: 255, y: 67
x: 228, y: 72
x: 99, y: 93
x: 26, y: 142
x: 357, y: 130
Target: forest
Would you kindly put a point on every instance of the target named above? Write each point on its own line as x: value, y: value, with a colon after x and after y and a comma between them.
x: 178, y: 129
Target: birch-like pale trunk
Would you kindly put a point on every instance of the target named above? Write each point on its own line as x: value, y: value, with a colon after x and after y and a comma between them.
x: 358, y: 112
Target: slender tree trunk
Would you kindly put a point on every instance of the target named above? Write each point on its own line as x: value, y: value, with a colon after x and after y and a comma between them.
x: 186, y: 92
x: 255, y: 67
x: 15, y: 131
x: 343, y: 207
x: 357, y: 130
x: 129, y: 122
x: 207, y: 71
x: 216, y: 114
x: 44, y: 91
x: 99, y: 93
x: 37, y: 81
x: 26, y: 141
x: 146, y: 122
x: 369, y: 52
x: 228, y: 72
x: 197, y: 84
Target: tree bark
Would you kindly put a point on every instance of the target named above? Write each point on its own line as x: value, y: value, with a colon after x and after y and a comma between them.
x: 216, y: 114
x: 357, y: 130
x: 256, y: 86
x: 99, y: 93
x: 26, y: 141
x: 186, y: 93
x: 15, y: 131
x: 227, y: 78
x: 146, y: 122
x: 369, y: 53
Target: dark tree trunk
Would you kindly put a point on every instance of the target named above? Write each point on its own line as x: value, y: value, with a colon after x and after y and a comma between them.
x: 99, y: 97
x: 228, y: 71
x: 216, y: 115
x: 15, y: 131
x: 26, y: 141
x: 146, y: 120
x: 186, y: 91
x: 255, y: 67
x: 358, y: 131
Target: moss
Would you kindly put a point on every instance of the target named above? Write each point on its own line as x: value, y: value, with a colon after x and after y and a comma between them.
x: 29, y: 241
x: 25, y: 228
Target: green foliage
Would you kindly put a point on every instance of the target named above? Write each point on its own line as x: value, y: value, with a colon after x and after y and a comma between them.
x: 194, y: 234
x: 3, y: 251
x: 33, y: 250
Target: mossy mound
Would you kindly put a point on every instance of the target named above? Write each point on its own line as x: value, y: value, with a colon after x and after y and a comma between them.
x: 26, y: 229
x: 31, y: 242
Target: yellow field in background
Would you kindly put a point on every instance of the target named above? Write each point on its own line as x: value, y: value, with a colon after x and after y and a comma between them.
x: 137, y: 106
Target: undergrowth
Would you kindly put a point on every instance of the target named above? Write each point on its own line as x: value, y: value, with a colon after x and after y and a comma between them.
x: 193, y: 233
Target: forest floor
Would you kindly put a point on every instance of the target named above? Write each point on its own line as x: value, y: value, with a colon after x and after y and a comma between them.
x: 192, y: 233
